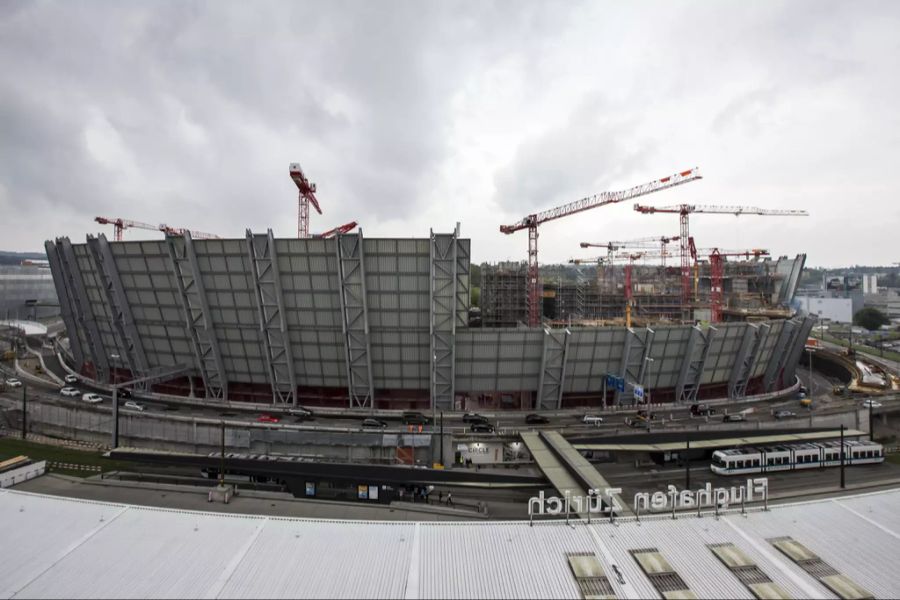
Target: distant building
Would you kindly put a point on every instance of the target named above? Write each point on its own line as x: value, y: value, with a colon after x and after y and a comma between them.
x: 27, y: 292
x: 887, y: 301
x: 870, y: 284
x: 838, y: 310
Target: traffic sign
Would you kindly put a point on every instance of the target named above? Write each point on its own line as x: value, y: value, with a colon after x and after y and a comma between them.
x: 620, y: 384
x: 638, y: 392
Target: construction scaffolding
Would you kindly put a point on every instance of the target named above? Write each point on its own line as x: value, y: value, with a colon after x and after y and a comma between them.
x: 593, y: 294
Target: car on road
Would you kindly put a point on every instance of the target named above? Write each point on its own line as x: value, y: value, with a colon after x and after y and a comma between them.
x: 299, y: 411
x: 70, y: 379
x: 643, y: 414
x: 123, y: 393
x: 481, y: 428
x: 414, y: 418
x: 592, y: 419
x: 92, y: 398
x: 471, y: 417
x: 373, y: 424
x: 872, y: 403
x: 135, y: 406
x: 806, y: 402
x: 637, y: 423
x: 536, y: 419
x: 733, y: 418
x: 784, y: 414
x: 69, y: 392
x: 267, y: 419
x: 13, y: 382
x: 702, y: 410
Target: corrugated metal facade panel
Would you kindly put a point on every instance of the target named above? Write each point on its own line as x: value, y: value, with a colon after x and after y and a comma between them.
x: 398, y: 298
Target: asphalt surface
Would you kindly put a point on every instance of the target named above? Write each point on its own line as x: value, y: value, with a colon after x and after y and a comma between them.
x: 668, y: 418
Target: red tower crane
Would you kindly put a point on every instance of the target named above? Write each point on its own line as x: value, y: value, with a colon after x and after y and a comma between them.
x: 683, y: 210
x: 345, y: 228
x: 532, y: 221
x: 717, y: 273
x: 307, y: 195
x: 120, y: 225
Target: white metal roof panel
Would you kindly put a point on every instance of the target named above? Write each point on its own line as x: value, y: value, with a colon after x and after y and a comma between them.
x: 58, y: 547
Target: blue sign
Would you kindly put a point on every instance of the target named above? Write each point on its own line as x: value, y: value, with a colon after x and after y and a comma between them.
x: 638, y: 392
x: 620, y: 384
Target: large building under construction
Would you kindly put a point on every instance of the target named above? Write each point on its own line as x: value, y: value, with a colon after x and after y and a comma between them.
x: 384, y: 323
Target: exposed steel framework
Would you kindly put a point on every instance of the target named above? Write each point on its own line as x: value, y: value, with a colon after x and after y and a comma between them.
x: 636, y: 244
x: 307, y: 192
x: 717, y: 274
x: 531, y: 223
x: 120, y: 225
x: 684, y: 210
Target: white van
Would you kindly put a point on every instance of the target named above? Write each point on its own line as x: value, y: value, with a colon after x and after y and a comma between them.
x: 592, y: 420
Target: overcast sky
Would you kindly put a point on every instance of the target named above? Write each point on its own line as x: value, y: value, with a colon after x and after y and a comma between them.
x: 416, y: 115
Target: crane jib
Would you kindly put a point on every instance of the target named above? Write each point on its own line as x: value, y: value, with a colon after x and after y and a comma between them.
x: 602, y: 199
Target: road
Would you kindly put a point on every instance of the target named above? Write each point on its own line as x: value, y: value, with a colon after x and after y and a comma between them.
x: 505, y: 423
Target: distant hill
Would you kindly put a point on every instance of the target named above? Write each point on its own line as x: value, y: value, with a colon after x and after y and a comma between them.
x: 14, y: 258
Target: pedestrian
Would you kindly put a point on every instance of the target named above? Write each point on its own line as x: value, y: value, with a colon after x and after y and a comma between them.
x: 440, y: 497
x: 449, y: 499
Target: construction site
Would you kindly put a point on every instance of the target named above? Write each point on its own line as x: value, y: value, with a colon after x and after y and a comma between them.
x: 341, y: 320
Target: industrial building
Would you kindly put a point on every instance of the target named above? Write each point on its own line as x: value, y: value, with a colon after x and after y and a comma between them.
x: 359, y: 322
x: 26, y: 292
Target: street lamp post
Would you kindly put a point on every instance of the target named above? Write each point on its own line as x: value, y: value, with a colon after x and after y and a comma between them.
x: 647, y: 391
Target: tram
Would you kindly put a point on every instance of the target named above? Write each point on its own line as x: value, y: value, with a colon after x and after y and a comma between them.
x: 768, y: 459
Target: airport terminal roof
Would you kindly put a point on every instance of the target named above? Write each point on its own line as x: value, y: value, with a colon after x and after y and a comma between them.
x: 60, y: 547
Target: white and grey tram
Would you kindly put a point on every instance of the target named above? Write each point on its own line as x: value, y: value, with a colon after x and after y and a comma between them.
x: 742, y: 461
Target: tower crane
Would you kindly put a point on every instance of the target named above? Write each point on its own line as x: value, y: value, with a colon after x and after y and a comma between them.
x: 197, y: 235
x: 636, y: 244
x: 532, y: 221
x: 120, y: 225
x: 717, y: 273
x: 307, y: 195
x: 684, y: 210
x: 345, y: 228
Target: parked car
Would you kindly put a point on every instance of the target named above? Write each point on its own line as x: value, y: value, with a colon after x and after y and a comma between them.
x: 13, y: 382
x: 784, y: 414
x: 415, y: 418
x: 267, y: 419
x: 702, y: 410
x: 536, y: 419
x: 481, y: 428
x: 135, y: 406
x: 92, y: 398
x: 592, y: 419
x: 69, y: 392
x: 70, y: 379
x: 733, y: 418
x: 872, y: 403
x: 373, y: 424
x: 471, y: 417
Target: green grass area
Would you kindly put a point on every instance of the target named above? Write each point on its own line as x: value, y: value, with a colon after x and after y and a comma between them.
x: 10, y: 447
x: 890, y: 355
